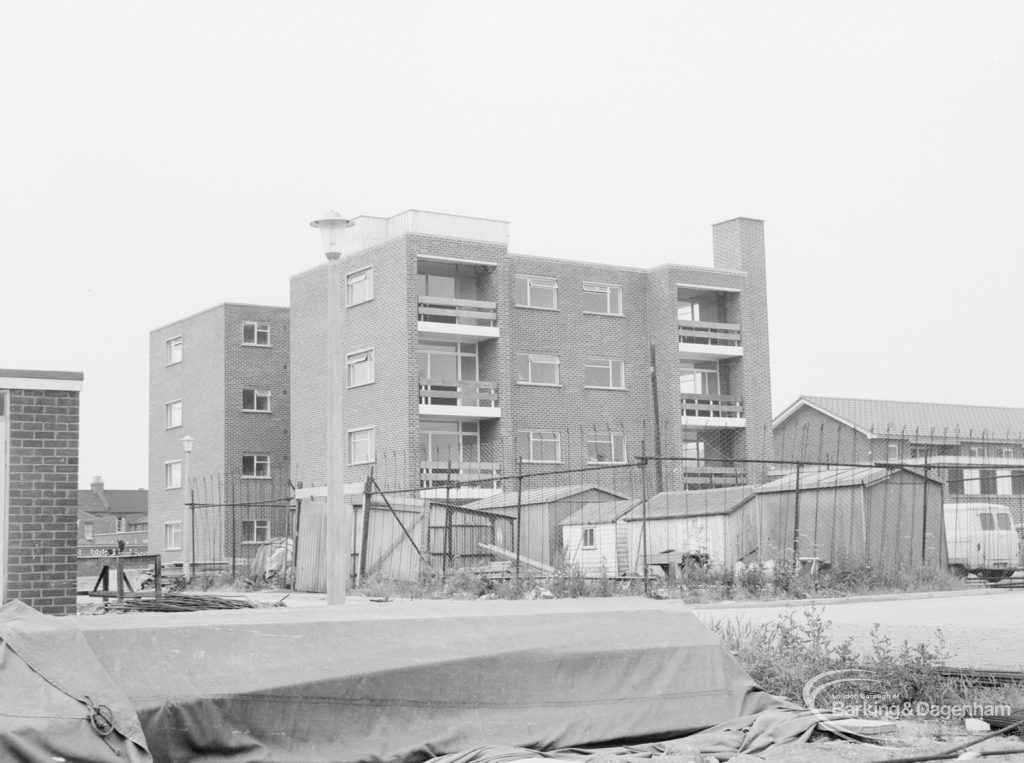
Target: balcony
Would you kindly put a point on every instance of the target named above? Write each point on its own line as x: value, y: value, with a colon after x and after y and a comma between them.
x: 703, y: 340
x: 698, y: 475
x: 709, y: 411
x: 451, y: 399
x: 454, y: 479
x: 468, y: 320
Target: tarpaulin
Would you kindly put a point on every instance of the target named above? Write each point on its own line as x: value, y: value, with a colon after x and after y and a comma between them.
x: 391, y: 685
x: 57, y: 701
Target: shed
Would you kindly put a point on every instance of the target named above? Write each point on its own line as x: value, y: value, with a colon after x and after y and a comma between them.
x: 543, y: 512
x: 594, y: 540
x: 888, y: 518
x: 690, y: 523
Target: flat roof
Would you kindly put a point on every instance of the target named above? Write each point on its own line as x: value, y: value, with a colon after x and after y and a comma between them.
x: 20, y: 378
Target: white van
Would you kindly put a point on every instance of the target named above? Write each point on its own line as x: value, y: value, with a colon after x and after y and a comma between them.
x: 981, y: 538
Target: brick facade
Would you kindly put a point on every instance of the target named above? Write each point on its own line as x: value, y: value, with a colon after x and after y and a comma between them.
x: 216, y: 366
x: 41, y: 430
x: 388, y: 323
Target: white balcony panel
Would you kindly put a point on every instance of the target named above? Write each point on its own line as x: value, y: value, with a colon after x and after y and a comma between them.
x: 461, y: 332
x: 713, y: 422
x: 458, y: 412
x: 475, y: 493
x: 709, y: 351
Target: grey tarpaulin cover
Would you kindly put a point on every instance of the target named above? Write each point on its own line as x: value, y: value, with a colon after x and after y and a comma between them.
x: 404, y: 684
x: 57, y: 701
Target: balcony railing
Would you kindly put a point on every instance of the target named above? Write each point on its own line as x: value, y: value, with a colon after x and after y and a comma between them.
x: 695, y: 473
x: 704, y: 332
x: 468, y: 312
x: 434, y: 474
x: 712, y: 406
x: 454, y: 392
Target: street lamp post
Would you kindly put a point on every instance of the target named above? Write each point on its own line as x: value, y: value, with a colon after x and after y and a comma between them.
x: 188, y: 517
x: 339, y: 519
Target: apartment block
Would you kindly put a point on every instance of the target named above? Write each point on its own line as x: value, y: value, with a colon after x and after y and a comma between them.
x: 39, y: 429
x: 221, y: 379
x: 465, y: 361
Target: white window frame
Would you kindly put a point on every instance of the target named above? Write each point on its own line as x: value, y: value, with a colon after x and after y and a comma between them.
x: 88, y: 531
x: 609, y: 364
x: 257, y: 396
x: 172, y: 536
x: 120, y: 524
x: 175, y: 350
x: 353, y: 295
x: 588, y: 531
x: 542, y: 283
x: 172, y: 414
x: 371, y: 448
x: 172, y: 475
x: 599, y: 437
x: 537, y: 359
x: 259, y: 329
x: 892, y: 451
x: 257, y: 459
x: 539, y: 436
x: 258, y: 525
x: 608, y: 289
x: 360, y: 360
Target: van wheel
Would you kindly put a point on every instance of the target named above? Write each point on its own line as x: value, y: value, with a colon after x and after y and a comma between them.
x: 958, y: 570
x: 994, y: 576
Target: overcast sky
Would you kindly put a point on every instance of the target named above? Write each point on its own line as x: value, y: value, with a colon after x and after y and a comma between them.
x: 158, y: 159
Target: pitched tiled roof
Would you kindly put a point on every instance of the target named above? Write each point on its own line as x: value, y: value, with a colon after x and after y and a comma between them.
x: 601, y: 513
x: 510, y: 498
x: 120, y: 501
x: 923, y: 419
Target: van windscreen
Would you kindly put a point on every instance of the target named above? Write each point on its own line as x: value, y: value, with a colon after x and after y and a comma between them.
x: 986, y: 521
x: 1003, y: 520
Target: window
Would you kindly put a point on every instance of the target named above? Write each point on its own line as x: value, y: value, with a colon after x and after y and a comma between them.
x: 257, y: 400
x: 120, y: 524
x: 955, y: 480
x: 172, y: 536
x: 972, y: 483
x: 537, y: 369
x: 172, y: 474
x: 1003, y: 521
x: 1004, y: 452
x: 87, y: 531
x: 361, y: 446
x: 893, y: 451
x: 255, y: 530
x: 359, y: 287
x: 588, y: 538
x: 1017, y: 482
x: 605, y: 448
x: 688, y: 310
x: 602, y: 298
x: 174, y: 350
x: 699, y: 378
x: 987, y: 523
x: 360, y: 368
x: 540, y: 446
x: 533, y: 291
x: 172, y: 414
x: 606, y: 373
x: 255, y: 466
x: 256, y: 333
x: 988, y: 481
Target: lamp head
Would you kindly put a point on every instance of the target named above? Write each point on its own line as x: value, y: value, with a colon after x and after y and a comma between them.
x: 332, y: 229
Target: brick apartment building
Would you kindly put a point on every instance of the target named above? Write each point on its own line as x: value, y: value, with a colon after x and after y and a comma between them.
x: 978, y: 451
x: 463, y: 357
x: 221, y: 378
x: 39, y: 414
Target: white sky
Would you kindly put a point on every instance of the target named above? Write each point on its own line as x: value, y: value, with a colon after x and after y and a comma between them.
x: 158, y: 159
